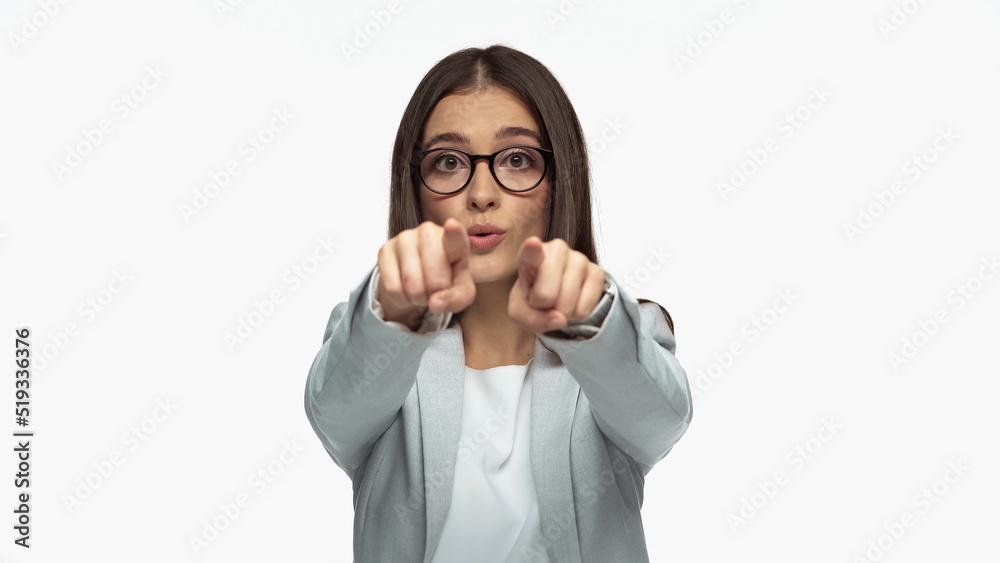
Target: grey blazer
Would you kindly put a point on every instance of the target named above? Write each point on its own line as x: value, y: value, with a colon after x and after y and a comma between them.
x: 386, y: 403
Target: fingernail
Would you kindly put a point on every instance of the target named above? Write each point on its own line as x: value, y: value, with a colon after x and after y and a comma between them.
x: 554, y: 324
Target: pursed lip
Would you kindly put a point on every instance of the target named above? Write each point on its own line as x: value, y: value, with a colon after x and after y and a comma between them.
x: 487, y: 228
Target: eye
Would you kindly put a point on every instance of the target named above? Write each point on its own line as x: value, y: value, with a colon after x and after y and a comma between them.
x: 518, y: 159
x: 448, y: 162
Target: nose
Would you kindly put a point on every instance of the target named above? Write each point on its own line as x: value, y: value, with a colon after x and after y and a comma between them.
x: 484, y: 192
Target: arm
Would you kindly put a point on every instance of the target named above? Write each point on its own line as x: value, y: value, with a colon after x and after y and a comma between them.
x: 362, y: 374
x: 638, y: 391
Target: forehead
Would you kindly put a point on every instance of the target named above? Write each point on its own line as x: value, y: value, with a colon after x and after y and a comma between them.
x: 477, y: 116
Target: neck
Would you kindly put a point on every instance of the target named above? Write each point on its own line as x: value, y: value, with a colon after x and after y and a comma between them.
x: 490, y: 337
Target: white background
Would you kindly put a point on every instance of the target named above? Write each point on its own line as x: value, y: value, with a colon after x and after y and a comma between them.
x: 827, y: 356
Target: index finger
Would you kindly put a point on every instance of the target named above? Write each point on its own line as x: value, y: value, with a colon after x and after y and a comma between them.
x: 433, y: 260
x: 438, y: 256
x: 456, y: 242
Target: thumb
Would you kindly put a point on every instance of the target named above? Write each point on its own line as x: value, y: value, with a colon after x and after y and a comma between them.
x: 460, y: 295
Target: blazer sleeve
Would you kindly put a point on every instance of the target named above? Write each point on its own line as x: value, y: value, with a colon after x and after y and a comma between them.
x: 638, y: 391
x: 361, y: 376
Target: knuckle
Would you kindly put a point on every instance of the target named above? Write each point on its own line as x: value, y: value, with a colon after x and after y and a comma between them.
x: 412, y: 286
x: 545, y: 296
x: 403, y: 238
x: 393, y: 288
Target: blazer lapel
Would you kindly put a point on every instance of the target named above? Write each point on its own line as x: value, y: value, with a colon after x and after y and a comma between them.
x: 554, y: 392
x: 440, y: 394
x: 554, y: 395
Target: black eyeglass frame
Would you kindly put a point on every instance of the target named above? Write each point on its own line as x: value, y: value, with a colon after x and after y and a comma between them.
x: 418, y: 158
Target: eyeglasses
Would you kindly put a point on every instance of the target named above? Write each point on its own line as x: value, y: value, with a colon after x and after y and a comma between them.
x: 448, y: 170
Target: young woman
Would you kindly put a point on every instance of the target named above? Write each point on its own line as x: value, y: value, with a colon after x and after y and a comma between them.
x: 490, y: 390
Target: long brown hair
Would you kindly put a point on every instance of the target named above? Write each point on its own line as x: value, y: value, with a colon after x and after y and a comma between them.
x: 499, y: 66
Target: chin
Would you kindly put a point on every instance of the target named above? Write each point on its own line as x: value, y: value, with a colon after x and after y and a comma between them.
x: 489, y: 273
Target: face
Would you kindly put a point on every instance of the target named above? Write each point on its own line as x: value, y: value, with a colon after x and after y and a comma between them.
x: 478, y: 117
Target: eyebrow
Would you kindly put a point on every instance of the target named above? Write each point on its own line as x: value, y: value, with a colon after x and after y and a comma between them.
x: 502, y: 133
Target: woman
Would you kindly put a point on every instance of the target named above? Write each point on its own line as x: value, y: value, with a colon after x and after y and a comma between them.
x: 490, y: 390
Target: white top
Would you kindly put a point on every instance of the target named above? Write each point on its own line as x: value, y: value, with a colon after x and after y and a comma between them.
x: 494, y: 507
